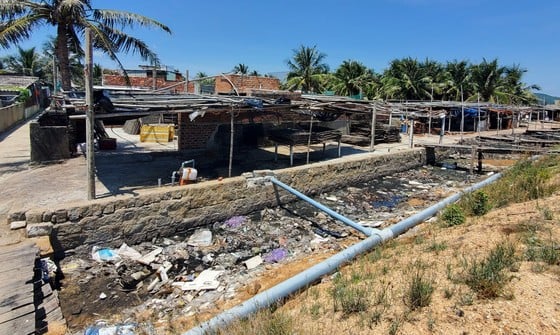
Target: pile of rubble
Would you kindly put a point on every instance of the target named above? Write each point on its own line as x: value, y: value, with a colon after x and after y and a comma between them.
x: 185, y: 275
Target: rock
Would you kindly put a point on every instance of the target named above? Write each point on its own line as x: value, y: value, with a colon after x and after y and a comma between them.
x: 39, y: 229
x: 14, y: 225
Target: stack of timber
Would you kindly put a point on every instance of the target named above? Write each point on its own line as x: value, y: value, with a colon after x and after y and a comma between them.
x: 27, y: 303
x: 360, y: 134
x: 293, y: 136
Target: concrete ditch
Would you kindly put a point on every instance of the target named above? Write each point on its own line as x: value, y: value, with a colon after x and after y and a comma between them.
x: 178, y: 210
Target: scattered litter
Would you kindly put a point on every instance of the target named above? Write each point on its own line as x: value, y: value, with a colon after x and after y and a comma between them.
x: 201, y: 238
x: 253, y: 262
x: 127, y: 252
x: 103, y: 329
x: 104, y: 254
x: 150, y: 257
x: 206, y: 280
x: 48, y: 269
x: 371, y: 224
x: 103, y: 296
x: 276, y: 255
x: 331, y: 198
x: 234, y: 222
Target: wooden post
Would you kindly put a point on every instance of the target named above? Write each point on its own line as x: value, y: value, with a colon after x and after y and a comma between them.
x: 231, y: 139
x: 309, y: 138
x: 90, y: 150
x: 411, y: 126
x: 479, y: 161
x: 372, y: 142
x: 473, y: 159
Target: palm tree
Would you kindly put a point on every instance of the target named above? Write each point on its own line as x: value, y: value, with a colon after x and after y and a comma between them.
x: 352, y: 77
x: 75, y: 62
x: 71, y: 17
x: 27, y: 62
x: 514, y: 90
x: 487, y: 78
x: 435, y: 73
x: 458, y: 80
x: 255, y: 73
x: 306, y: 69
x: 406, y: 79
x: 241, y: 69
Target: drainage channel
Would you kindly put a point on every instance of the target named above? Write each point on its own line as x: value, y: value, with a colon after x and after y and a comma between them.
x: 242, y: 248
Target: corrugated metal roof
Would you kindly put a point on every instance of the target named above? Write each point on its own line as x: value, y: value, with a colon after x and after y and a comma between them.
x: 18, y: 81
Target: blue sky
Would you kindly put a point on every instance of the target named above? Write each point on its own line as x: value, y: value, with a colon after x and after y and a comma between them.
x: 214, y: 36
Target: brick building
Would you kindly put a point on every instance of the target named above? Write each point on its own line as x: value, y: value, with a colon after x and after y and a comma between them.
x: 227, y: 84
x: 144, y: 78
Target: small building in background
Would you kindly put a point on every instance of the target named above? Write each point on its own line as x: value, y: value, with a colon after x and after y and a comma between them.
x: 233, y: 84
x: 147, y: 77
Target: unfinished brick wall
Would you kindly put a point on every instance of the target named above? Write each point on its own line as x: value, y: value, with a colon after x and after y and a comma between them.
x: 245, y: 84
x: 194, y: 134
x: 143, y: 82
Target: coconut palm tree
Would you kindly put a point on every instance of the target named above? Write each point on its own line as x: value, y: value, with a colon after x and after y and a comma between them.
x: 406, y: 79
x: 487, y: 78
x: 458, y: 80
x: 435, y: 72
x: 513, y: 88
x: 19, y: 18
x: 351, y: 78
x: 75, y: 61
x: 241, y: 69
x: 26, y: 62
x: 306, y: 69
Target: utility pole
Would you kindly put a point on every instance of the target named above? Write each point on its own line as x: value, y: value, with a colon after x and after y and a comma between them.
x: 90, y: 152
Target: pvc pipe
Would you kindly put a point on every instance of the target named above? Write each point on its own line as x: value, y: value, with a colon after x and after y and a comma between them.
x: 365, y: 230
x: 314, y: 273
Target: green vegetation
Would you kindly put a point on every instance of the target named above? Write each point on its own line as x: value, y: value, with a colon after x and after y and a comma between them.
x: 488, y: 277
x: 420, y: 289
x: 19, y: 19
x: 349, y: 296
x: 453, y: 215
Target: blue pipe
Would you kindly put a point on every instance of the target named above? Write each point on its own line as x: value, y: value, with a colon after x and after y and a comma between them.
x: 314, y: 273
x: 365, y: 230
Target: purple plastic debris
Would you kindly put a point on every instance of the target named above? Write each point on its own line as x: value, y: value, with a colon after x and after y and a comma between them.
x: 276, y: 255
x: 235, y: 221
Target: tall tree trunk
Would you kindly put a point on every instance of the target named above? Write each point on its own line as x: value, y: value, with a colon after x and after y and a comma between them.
x: 63, y: 56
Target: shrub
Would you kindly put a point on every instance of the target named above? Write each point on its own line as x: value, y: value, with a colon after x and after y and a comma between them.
x: 349, y: 297
x: 420, y: 291
x: 487, y: 277
x: 453, y: 215
x: 480, y: 203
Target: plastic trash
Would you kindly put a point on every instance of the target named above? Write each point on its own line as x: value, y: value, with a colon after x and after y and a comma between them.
x: 235, y: 221
x: 201, y: 238
x: 103, y: 329
x: 276, y: 255
x: 104, y: 254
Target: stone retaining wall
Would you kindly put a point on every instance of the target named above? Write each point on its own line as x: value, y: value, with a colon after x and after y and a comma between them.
x: 180, y: 209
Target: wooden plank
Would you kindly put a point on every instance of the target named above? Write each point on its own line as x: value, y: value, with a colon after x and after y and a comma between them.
x: 16, y: 247
x: 16, y: 313
x: 24, y: 325
x: 19, y: 253
x: 15, y: 302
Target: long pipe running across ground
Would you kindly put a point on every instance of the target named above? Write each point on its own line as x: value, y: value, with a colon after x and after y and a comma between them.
x: 277, y: 293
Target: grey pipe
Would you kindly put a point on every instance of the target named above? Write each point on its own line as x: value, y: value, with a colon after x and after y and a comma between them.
x: 314, y: 273
x: 367, y: 231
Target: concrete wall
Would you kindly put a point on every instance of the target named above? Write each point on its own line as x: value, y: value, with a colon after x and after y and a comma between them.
x: 13, y: 114
x: 177, y: 210
x: 50, y: 138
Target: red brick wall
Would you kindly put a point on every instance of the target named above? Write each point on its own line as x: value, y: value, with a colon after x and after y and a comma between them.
x: 196, y: 134
x: 143, y: 82
x: 245, y: 84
